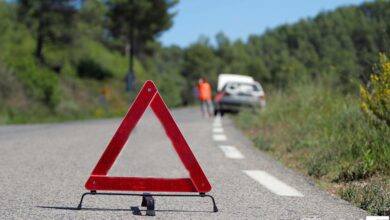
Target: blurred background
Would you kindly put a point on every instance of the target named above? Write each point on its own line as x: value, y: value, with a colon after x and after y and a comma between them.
x: 70, y: 59
x: 322, y: 65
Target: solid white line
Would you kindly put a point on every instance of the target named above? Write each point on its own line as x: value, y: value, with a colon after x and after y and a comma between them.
x: 219, y: 137
x: 218, y: 130
x: 231, y: 152
x: 273, y: 184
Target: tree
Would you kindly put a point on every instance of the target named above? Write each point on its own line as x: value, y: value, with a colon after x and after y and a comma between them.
x: 142, y: 20
x: 49, y: 19
x: 199, y: 61
x: 92, y: 19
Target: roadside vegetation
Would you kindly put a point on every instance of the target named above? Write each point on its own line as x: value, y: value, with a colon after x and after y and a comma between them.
x: 341, y: 141
x: 66, y: 59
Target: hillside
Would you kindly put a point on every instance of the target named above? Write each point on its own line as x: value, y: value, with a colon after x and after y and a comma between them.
x: 339, y: 47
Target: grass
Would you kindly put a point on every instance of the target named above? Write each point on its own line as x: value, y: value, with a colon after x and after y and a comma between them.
x: 80, y: 99
x: 322, y: 133
x: 373, y: 196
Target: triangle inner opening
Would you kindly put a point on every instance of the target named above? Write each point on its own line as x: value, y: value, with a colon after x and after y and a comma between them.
x: 148, y: 152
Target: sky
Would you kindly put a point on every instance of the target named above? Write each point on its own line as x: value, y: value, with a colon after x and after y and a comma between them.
x: 239, y: 18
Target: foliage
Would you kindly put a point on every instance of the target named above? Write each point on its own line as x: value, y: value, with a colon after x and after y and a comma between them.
x: 35, y: 93
x: 336, y: 47
x: 91, y: 69
x: 319, y: 131
x: 144, y: 19
x: 199, y: 60
x: 92, y: 19
x: 374, y: 197
x: 341, y: 44
x: 49, y: 20
x: 376, y: 100
x: 164, y: 68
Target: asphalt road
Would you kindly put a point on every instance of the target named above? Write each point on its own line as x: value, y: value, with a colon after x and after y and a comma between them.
x: 43, y: 169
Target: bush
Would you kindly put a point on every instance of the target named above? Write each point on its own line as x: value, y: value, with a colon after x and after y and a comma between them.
x: 373, y: 197
x: 356, y: 171
x: 366, y: 148
x: 318, y: 165
x: 88, y: 68
x: 246, y: 120
x: 17, y: 46
x: 43, y: 85
x: 6, y: 83
x: 376, y: 99
x: 263, y: 143
x: 40, y: 83
x: 323, y: 133
x: 170, y: 87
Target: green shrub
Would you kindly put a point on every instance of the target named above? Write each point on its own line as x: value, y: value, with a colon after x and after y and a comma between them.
x: 68, y: 70
x: 169, y: 87
x: 6, y: 83
x: 355, y: 171
x: 324, y: 134
x: 376, y: 100
x: 247, y: 120
x: 262, y: 142
x: 88, y: 68
x: 108, y: 60
x: 373, y: 197
x: 319, y: 164
x: 366, y: 148
x: 42, y: 84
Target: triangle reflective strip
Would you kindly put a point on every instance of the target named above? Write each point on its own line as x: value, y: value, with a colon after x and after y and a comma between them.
x: 99, y: 179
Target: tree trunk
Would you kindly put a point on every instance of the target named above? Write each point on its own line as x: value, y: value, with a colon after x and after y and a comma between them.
x: 40, y: 41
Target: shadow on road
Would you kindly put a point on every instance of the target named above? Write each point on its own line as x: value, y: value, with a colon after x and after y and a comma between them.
x: 83, y: 209
x: 134, y: 209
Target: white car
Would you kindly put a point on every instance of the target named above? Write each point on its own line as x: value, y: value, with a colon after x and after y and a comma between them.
x: 236, y: 92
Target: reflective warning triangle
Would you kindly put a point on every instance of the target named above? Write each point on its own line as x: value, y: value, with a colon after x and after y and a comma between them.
x: 100, y: 181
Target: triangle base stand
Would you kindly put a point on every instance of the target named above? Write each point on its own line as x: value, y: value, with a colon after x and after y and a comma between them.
x: 147, y: 199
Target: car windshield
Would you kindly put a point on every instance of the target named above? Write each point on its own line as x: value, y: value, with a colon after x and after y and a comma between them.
x: 242, y: 87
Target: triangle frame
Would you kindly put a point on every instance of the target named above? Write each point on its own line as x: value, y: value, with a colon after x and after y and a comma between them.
x: 99, y: 180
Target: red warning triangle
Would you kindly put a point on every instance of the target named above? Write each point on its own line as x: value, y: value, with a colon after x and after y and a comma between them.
x: 99, y: 179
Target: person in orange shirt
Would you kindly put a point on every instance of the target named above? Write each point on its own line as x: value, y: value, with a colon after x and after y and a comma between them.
x: 204, y: 95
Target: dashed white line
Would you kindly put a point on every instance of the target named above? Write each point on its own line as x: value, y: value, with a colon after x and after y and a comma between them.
x: 219, y: 137
x: 217, y: 124
x: 272, y: 183
x: 231, y: 152
x: 377, y: 217
x: 218, y: 130
x: 217, y: 118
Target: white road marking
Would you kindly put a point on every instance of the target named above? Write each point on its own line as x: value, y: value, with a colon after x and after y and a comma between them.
x: 218, y: 130
x: 231, y: 152
x: 273, y: 184
x: 217, y: 124
x: 377, y: 217
x: 219, y: 137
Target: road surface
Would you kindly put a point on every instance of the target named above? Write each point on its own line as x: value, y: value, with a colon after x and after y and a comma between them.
x: 44, y: 168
